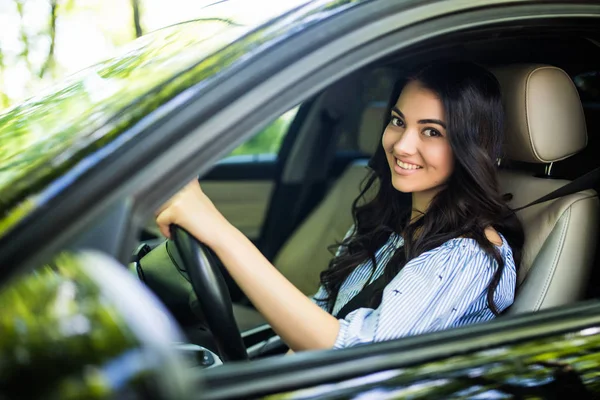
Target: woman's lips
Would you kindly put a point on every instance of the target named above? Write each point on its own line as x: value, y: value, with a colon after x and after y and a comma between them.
x: 404, y: 168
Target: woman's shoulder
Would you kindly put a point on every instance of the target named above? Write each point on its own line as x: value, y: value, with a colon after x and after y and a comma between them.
x: 457, y: 250
x: 461, y: 254
x: 465, y: 245
x: 470, y: 246
x: 493, y: 236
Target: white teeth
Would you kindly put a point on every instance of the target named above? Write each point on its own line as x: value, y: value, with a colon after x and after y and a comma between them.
x: 404, y: 165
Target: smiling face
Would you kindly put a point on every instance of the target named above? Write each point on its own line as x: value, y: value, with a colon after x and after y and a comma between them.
x: 416, y: 143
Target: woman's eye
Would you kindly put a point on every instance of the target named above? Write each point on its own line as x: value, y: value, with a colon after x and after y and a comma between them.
x: 396, y: 121
x: 431, y: 132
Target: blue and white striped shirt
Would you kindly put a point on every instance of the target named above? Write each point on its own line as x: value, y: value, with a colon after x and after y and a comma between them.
x: 442, y: 288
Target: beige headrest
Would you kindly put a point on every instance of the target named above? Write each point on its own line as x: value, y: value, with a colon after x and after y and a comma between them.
x: 544, y: 116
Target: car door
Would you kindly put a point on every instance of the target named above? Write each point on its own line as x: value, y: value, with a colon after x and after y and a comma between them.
x: 553, y: 354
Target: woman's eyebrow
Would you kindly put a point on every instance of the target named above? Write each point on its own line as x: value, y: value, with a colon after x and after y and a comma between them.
x: 397, y: 111
x: 422, y: 121
x: 433, y: 121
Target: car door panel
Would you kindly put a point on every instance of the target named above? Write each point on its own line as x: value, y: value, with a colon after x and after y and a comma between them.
x: 241, y: 186
x: 243, y: 203
x: 548, y: 354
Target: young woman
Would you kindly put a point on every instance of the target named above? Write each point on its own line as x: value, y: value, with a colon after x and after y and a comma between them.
x: 447, y: 259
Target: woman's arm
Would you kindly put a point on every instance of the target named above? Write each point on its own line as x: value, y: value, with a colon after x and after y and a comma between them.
x: 301, y: 324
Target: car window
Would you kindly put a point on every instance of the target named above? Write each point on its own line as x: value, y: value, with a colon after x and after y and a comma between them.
x: 267, y: 142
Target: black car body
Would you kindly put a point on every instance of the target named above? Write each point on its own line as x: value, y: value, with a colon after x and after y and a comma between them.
x: 85, y: 165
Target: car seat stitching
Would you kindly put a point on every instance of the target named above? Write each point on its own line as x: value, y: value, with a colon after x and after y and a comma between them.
x: 567, y: 214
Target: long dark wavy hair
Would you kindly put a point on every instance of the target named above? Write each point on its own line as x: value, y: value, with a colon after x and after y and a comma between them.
x: 468, y: 204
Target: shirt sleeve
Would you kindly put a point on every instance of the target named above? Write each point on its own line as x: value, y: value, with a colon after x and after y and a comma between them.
x: 432, y: 292
x: 322, y: 293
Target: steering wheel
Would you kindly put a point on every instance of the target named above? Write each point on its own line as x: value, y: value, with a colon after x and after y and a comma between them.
x: 213, y: 295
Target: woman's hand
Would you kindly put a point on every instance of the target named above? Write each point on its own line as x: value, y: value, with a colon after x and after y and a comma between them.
x: 192, y: 210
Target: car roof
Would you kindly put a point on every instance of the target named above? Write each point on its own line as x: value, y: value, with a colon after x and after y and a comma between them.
x: 73, y: 124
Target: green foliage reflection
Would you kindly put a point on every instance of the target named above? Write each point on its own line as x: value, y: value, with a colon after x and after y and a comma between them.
x: 547, y: 367
x: 60, y: 338
x: 44, y: 137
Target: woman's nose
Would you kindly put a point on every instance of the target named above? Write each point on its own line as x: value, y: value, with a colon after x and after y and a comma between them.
x: 407, y: 143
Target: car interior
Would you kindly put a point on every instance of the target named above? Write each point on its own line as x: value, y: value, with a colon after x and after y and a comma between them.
x: 296, y: 205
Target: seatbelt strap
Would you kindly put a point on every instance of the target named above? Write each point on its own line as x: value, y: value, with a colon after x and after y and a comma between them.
x: 584, y: 182
x: 364, y: 298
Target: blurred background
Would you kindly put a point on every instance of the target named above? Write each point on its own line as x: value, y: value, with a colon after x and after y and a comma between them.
x: 42, y: 41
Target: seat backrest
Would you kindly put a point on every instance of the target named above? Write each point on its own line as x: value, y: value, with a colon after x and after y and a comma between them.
x: 306, y: 253
x: 545, y: 124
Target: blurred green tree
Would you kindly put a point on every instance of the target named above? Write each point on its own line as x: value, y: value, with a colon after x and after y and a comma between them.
x: 268, y: 140
x: 44, y: 40
x: 137, y: 25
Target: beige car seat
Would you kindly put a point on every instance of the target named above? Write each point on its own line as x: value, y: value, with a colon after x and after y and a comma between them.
x: 545, y: 123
